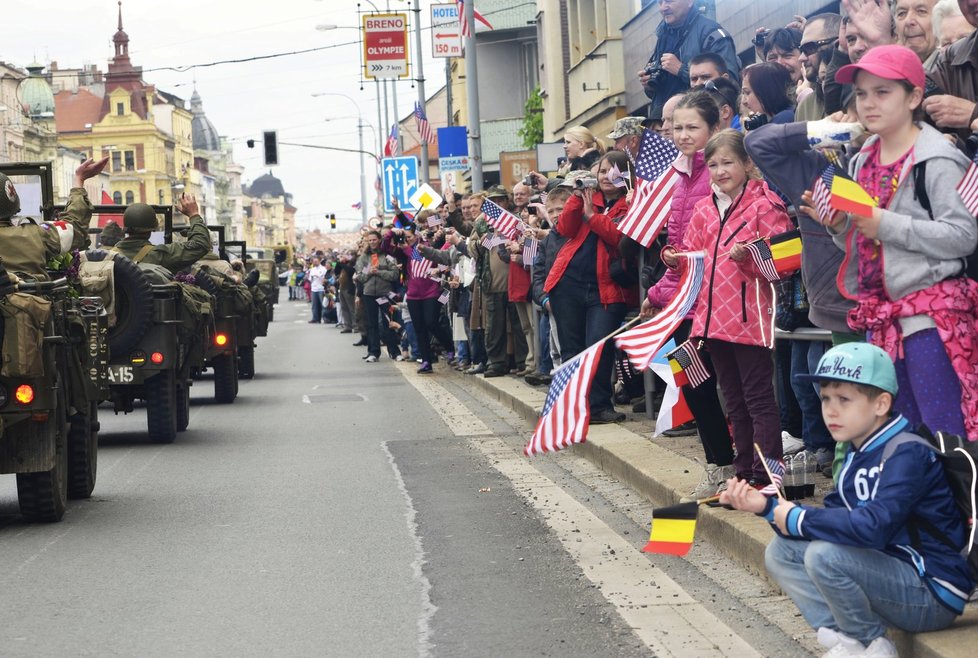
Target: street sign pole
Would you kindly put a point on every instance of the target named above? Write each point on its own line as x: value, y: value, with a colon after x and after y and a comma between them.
x: 420, y: 79
x: 472, y: 98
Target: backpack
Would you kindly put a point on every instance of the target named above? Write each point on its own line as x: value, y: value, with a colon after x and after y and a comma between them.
x: 960, y: 460
x: 920, y: 194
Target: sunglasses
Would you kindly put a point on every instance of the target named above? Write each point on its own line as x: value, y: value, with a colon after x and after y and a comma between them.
x: 710, y: 86
x: 809, y: 48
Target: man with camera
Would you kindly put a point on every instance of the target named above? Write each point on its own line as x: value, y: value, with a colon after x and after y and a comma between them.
x: 683, y: 33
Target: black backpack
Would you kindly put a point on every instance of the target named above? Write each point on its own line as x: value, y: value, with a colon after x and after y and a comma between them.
x: 960, y: 460
x: 920, y: 194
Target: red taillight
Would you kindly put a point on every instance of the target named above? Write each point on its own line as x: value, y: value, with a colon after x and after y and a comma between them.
x: 24, y: 394
x: 156, y: 357
x: 221, y: 339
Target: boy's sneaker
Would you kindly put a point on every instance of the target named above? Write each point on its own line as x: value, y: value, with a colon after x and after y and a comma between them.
x: 714, y: 478
x: 824, y: 458
x: 791, y: 444
x: 686, y: 429
x: 880, y: 648
x: 399, y: 357
x: 371, y: 359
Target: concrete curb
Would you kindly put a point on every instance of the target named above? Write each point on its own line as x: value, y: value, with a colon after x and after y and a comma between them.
x: 663, y: 477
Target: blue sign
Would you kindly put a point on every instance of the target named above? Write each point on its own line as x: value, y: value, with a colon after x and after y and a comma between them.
x: 400, y: 176
x: 453, y: 141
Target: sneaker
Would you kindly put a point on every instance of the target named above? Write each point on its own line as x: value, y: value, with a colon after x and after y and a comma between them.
x: 713, y: 478
x: 365, y: 357
x: 842, y: 646
x: 535, y: 378
x: 399, y: 357
x: 824, y: 457
x: 360, y: 343
x: 881, y: 647
x: 606, y: 416
x: 371, y: 359
x: 462, y: 365
x: 425, y: 368
x: 791, y: 444
x: 493, y: 372
x: 686, y: 429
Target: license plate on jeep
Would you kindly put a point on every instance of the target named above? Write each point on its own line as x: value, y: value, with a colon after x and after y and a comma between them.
x: 120, y: 374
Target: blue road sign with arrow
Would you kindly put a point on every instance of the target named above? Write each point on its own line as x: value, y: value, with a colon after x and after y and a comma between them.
x: 400, y: 176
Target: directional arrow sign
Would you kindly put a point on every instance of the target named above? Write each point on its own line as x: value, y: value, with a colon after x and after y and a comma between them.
x: 445, y: 39
x: 400, y: 181
x: 385, y: 50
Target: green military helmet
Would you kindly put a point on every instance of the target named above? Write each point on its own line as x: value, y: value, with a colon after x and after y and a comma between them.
x: 140, y: 216
x: 9, y: 200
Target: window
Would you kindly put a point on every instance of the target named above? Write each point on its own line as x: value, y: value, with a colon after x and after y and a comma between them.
x: 120, y: 109
x: 117, y: 198
x: 116, y: 161
x: 130, y: 198
x: 130, y: 161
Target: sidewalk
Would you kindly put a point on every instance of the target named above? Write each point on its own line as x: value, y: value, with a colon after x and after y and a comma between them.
x: 663, y: 475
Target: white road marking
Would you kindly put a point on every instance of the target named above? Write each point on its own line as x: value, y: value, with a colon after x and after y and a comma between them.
x: 417, y: 566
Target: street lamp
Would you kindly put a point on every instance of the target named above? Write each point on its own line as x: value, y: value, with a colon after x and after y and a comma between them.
x: 363, y: 175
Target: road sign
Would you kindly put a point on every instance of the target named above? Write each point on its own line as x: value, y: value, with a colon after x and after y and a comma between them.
x: 425, y: 198
x: 453, y: 149
x: 445, y: 39
x: 400, y: 176
x: 385, y: 50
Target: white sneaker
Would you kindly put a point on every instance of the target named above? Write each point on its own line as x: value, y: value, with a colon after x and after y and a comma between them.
x: 791, y: 444
x: 713, y: 479
x: 371, y: 359
x: 399, y: 357
x: 840, y: 645
x: 880, y: 648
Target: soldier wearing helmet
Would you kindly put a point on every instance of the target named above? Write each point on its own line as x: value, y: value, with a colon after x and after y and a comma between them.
x: 27, y: 247
x: 139, y: 220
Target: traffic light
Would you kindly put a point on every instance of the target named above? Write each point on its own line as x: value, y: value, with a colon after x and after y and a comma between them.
x: 332, y: 221
x: 271, y: 147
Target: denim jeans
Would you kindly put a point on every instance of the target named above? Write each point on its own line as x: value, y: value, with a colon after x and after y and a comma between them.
x: 371, y: 315
x: 544, y: 364
x: 317, y: 306
x: 582, y: 320
x: 857, y: 591
x: 412, y: 340
x: 804, y: 359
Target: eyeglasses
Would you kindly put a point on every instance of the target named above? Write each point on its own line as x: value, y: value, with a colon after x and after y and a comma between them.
x: 711, y: 86
x: 809, y: 48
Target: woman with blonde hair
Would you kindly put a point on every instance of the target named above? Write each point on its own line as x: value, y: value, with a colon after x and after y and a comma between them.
x: 582, y: 148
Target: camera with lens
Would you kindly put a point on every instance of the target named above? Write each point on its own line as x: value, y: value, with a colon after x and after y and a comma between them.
x: 755, y: 122
x: 654, y: 71
x: 533, y: 199
x: 399, y: 238
x: 586, y: 183
x: 529, y: 182
x: 760, y: 38
x: 971, y: 144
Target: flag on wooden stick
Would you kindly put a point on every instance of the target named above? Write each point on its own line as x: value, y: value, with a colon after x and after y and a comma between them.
x: 778, y: 255
x: 673, y: 411
x: 849, y: 196
x: 673, y: 529
x: 687, y: 366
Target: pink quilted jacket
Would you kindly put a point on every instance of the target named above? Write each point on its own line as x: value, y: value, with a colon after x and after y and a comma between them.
x: 736, y: 302
x: 689, y: 189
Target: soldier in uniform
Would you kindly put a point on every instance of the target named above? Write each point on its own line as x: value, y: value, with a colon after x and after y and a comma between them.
x: 27, y: 247
x: 139, y: 220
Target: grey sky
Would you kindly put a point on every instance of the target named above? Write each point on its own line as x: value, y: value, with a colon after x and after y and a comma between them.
x: 240, y: 99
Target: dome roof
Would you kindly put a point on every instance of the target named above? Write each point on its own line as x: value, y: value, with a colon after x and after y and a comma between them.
x: 204, y: 133
x: 266, y: 184
x: 36, y: 94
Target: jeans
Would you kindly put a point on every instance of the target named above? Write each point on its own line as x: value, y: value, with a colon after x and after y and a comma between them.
x: 544, y: 363
x: 789, y: 409
x: 371, y: 316
x: 412, y: 340
x: 582, y: 320
x: 857, y: 591
x: 805, y: 355
x: 425, y: 315
x: 317, y: 306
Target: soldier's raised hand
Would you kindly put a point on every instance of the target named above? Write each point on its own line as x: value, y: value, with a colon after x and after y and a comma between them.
x: 187, y: 204
x: 88, y: 169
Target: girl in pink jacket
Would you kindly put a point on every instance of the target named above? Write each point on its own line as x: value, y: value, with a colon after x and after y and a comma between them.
x: 734, y: 315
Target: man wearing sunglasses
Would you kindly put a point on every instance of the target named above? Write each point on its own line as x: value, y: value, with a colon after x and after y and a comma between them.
x: 726, y: 93
x: 821, y: 33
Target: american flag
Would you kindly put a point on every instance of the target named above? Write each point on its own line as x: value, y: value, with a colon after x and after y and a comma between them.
x: 418, y: 266
x: 968, y: 187
x: 616, y: 178
x: 435, y: 220
x: 492, y: 240
x: 444, y: 297
x: 693, y: 370
x: 391, y: 146
x: 356, y: 205
x: 822, y: 193
x: 566, y: 413
x: 503, y: 221
x: 530, y: 251
x: 760, y: 251
x: 464, y: 24
x: 642, y: 342
x: 424, y: 128
x: 776, y: 467
x: 652, y: 196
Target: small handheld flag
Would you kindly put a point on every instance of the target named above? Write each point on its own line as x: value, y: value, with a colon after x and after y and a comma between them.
x: 775, y: 473
x: 616, y: 178
x: 503, y: 221
x: 849, y: 196
x: 655, y: 178
x: 822, y: 193
x: 777, y: 255
x: 687, y: 366
x: 673, y: 529
x: 674, y: 410
x: 530, y: 247
x: 968, y: 187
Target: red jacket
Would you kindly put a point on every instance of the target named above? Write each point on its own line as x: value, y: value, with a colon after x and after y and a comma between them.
x: 736, y: 299
x: 573, y: 226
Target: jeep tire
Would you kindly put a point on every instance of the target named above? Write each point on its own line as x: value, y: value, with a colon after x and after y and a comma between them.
x: 161, y: 407
x: 225, y: 378
x: 83, y: 452
x: 43, y: 496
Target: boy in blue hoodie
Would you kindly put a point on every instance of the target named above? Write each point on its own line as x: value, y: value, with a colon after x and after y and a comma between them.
x: 851, y: 567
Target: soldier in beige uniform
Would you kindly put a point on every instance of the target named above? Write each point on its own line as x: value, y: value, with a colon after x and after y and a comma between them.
x: 27, y: 247
x: 140, y: 221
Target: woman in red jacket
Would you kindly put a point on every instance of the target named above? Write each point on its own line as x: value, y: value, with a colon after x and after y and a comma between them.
x: 587, y: 303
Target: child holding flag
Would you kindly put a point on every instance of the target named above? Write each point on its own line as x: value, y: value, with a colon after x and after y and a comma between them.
x: 905, y: 249
x: 734, y: 315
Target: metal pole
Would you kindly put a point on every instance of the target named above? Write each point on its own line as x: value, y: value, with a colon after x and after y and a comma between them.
x: 397, y: 118
x: 425, y: 175
x: 363, y: 174
x: 448, y: 87
x: 472, y: 99
x: 379, y: 207
x: 387, y: 115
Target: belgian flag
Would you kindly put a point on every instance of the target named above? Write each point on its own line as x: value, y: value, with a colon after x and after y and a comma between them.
x: 672, y: 529
x: 849, y: 196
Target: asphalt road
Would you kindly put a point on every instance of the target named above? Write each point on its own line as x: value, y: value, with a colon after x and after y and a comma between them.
x: 339, y: 508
